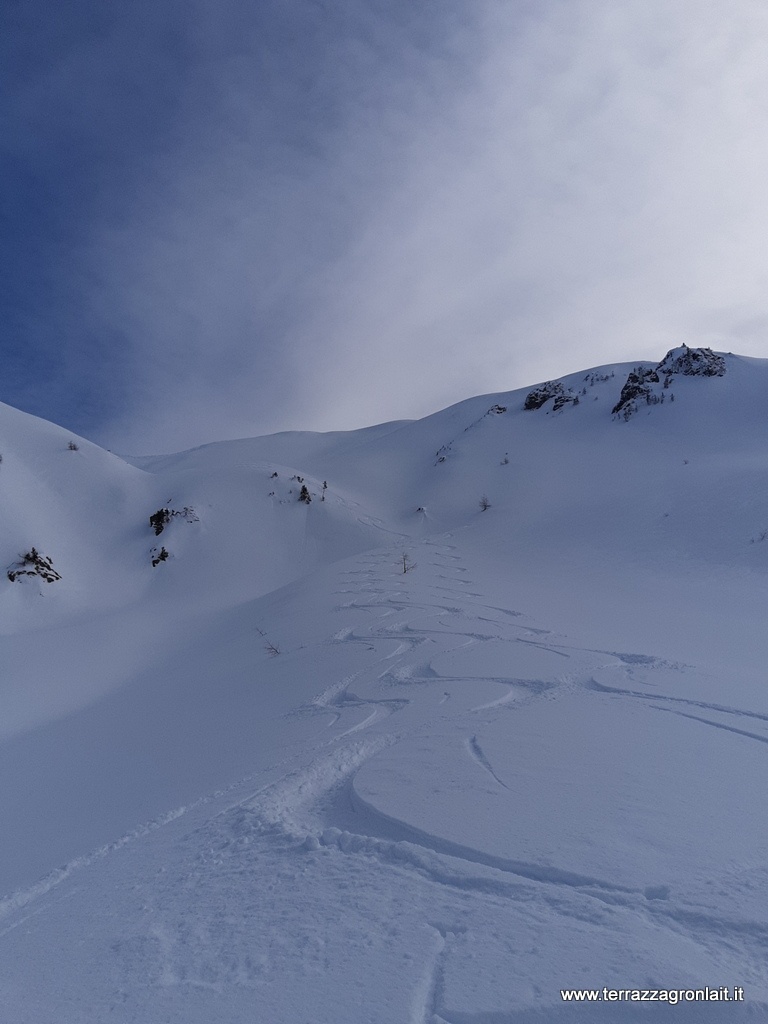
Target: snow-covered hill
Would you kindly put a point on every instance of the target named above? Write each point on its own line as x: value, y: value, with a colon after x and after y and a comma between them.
x: 253, y: 770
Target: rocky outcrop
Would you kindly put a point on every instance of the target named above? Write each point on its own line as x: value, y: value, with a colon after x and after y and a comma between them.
x: 650, y: 385
x: 32, y: 563
x: 637, y: 389
x: 550, y: 389
x: 692, y: 362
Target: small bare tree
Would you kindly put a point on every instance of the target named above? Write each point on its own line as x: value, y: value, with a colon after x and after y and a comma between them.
x: 407, y: 562
x: 269, y: 646
x: 484, y: 503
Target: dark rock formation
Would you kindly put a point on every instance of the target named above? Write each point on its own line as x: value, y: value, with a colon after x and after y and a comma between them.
x: 32, y: 563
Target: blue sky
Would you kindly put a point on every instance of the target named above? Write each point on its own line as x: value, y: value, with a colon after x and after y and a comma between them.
x: 232, y: 218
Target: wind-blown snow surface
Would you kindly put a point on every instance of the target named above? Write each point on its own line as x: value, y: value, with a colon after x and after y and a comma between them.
x: 275, y: 778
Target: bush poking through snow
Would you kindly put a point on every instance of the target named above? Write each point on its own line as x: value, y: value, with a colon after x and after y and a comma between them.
x: 269, y: 645
x: 160, y: 519
x: 72, y: 447
x: 407, y: 562
x: 158, y: 556
x: 32, y: 563
x: 596, y: 378
x: 484, y: 503
x: 304, y: 495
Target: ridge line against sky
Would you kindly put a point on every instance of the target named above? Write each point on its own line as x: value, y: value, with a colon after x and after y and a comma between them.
x: 232, y: 219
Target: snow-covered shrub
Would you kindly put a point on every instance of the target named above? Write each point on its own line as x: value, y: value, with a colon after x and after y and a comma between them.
x: 596, y: 378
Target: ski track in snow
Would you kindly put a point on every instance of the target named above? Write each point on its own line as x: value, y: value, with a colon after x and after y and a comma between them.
x: 507, y: 698
x: 715, y: 725
x: 427, y: 996
x: 475, y: 751
x: 309, y: 806
x: 446, y: 864
x: 705, y: 705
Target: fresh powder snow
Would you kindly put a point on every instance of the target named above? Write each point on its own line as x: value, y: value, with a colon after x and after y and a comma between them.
x: 418, y: 724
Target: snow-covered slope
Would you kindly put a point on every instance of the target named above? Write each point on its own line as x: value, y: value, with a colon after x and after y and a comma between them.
x: 275, y: 777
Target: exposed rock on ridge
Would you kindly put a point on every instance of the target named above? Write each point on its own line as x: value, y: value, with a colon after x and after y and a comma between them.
x: 32, y: 563
x: 550, y: 389
x: 642, y: 383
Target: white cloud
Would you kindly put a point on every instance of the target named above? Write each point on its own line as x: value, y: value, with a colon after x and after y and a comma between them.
x: 579, y: 184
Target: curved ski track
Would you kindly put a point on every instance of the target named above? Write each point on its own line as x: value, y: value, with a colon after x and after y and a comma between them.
x: 311, y: 822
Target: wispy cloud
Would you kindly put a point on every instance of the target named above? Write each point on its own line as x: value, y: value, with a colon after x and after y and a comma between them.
x: 344, y: 213
x: 598, y: 195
